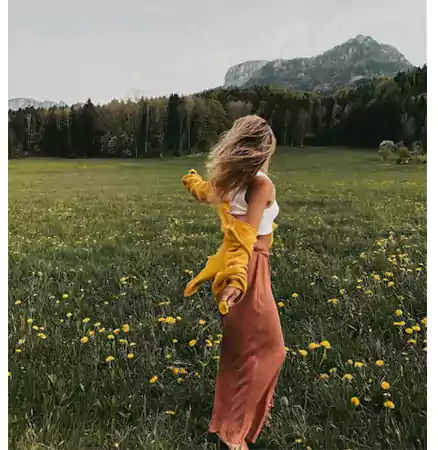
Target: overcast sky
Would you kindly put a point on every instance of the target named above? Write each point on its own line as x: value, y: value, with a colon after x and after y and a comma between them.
x: 104, y: 49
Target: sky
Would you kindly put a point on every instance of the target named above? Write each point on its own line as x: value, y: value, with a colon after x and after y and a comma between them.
x: 70, y: 51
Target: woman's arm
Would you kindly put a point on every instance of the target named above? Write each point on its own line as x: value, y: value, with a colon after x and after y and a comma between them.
x: 259, y: 196
x: 199, y: 188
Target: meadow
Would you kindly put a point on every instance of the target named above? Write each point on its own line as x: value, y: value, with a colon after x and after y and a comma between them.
x: 105, y: 352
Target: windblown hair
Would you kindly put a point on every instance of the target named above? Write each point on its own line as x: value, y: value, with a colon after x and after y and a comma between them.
x: 239, y: 154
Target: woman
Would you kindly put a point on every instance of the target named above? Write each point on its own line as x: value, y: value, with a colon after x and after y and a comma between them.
x: 252, y: 351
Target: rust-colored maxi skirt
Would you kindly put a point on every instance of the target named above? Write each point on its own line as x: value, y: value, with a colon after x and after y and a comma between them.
x: 252, y: 354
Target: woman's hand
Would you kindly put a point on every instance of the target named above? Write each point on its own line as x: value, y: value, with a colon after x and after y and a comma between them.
x: 230, y: 295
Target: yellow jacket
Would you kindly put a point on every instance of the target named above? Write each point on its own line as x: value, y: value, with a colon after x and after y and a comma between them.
x: 228, y: 267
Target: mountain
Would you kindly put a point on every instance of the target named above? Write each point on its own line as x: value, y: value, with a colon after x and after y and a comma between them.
x: 357, y: 59
x: 17, y: 103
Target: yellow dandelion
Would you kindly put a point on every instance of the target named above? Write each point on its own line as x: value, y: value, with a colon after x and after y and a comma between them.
x: 385, y: 385
x: 153, y: 380
x: 125, y: 328
x: 303, y: 352
x: 101, y: 330
x: 21, y: 341
x: 412, y: 341
x: 217, y: 342
x: 18, y: 350
x: 192, y: 343
x: 110, y: 358
x: 111, y: 337
x: 223, y: 308
x: 130, y: 355
x: 342, y: 291
x: 84, y: 340
x: 416, y: 328
x: 202, y: 322
x: 91, y: 333
x: 174, y: 341
x: 86, y: 320
x: 399, y: 324
x: 35, y: 328
x: 132, y: 344
x: 325, y: 344
x: 350, y: 362
x: 9, y: 374
x: 29, y: 321
x: 97, y: 324
x: 389, y: 404
x: 208, y: 343
x: 170, y: 413
x: 161, y: 319
x: 18, y: 302
x: 65, y: 296
x: 424, y: 321
x: 376, y: 277
x: 179, y: 380
x: 294, y: 295
x: 123, y: 341
x: 333, y: 370
x: 389, y: 274
x: 358, y: 364
x: 42, y: 336
x: 333, y: 301
x: 391, y: 284
x: 287, y: 349
x: 298, y: 441
x: 324, y: 376
x: 347, y: 377
x: 355, y: 401
x: 116, y: 331
x: 68, y: 315
x: 398, y: 312
x: 280, y: 304
x: 409, y: 330
x: 425, y: 349
x: 380, y: 363
x: 178, y: 318
x: 313, y: 346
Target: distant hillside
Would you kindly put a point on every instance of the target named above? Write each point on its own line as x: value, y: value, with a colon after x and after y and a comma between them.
x: 17, y: 103
x: 357, y: 59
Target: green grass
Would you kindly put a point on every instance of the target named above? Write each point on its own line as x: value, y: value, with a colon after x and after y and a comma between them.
x: 119, y: 237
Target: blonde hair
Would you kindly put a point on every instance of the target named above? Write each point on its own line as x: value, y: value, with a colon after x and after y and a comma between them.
x: 239, y: 154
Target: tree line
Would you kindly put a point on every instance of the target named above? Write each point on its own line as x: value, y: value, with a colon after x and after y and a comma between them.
x: 364, y: 115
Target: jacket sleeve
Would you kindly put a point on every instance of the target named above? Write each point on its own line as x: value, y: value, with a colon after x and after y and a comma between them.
x: 199, y: 188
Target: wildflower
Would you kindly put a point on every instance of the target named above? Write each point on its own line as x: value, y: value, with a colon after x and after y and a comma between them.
x: 197, y: 374
x: 170, y: 413
x: 208, y: 343
x: 130, y: 355
x: 358, y: 364
x: 389, y: 274
x: 380, y: 363
x: 355, y: 401
x: 132, y: 344
x: 84, y: 340
x: 21, y: 341
x: 178, y: 318
x: 325, y: 344
x: 368, y: 292
x: 35, y: 328
x: 333, y: 370
x: 153, y: 380
x: 303, y: 352
x: 91, y: 333
x: 42, y: 336
x: 201, y: 322
x: 385, y: 385
x: 376, y: 277
x: 69, y: 314
x: 18, y: 350
x: 287, y: 349
x: 412, y: 341
x: 174, y: 341
x: 65, y: 296
x: 97, y: 324
x: 350, y: 361
x: 125, y: 328
x: 29, y: 321
x: 362, y: 255
x: 294, y: 295
x: 342, y: 291
x: 110, y: 358
x: 111, y: 337
x: 399, y: 324
x: 86, y: 320
x: 116, y: 331
x: 298, y: 441
x: 101, y: 330
x: 217, y: 342
x: 347, y: 377
x: 313, y: 346
x: 192, y: 343
x: 424, y: 321
x: 425, y: 349
x: 123, y: 341
x: 409, y: 331
x: 216, y: 358
x: 18, y: 302
x: 398, y: 312
x: 219, y: 335
x: 389, y: 404
x: 223, y: 308
x: 333, y: 301
x: 391, y: 284
x: 324, y: 376
x: 416, y: 328
x: 280, y: 304
x: 9, y: 374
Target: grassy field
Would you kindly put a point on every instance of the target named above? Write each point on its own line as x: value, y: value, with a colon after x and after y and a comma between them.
x: 99, y: 251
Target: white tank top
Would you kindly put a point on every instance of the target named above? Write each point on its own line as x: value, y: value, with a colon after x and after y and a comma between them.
x: 239, y: 207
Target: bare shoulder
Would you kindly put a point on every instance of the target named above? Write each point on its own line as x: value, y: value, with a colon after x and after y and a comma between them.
x: 260, y: 190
